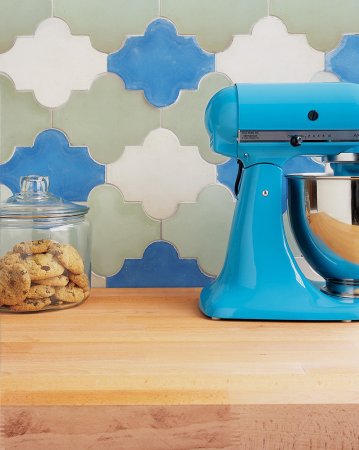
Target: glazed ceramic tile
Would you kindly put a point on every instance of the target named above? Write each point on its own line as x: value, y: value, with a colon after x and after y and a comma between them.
x: 74, y: 63
x: 20, y: 17
x: 161, y: 173
x: 160, y: 267
x: 227, y: 173
x: 21, y: 118
x: 201, y: 229
x: 324, y: 77
x: 344, y: 60
x: 214, y: 22
x: 120, y: 230
x: 165, y: 218
x: 186, y: 117
x: 5, y: 192
x: 324, y: 21
x: 71, y: 171
x: 270, y: 54
x: 161, y: 63
x: 106, y: 118
x: 97, y: 281
x: 107, y: 22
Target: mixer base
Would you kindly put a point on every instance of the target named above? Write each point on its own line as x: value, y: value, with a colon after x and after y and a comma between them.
x: 307, y: 304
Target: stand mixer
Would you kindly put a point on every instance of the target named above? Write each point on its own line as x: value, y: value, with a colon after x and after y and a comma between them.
x: 264, y: 126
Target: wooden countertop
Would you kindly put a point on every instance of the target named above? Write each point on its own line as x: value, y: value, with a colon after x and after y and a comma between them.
x: 153, y: 346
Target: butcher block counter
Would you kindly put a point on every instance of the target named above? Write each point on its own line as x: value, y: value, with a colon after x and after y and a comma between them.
x: 144, y: 369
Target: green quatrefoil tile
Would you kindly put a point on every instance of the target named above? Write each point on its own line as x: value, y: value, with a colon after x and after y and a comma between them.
x: 186, y: 117
x: 324, y: 21
x: 107, y: 22
x: 106, y: 118
x: 214, y: 22
x: 19, y: 18
x: 21, y: 118
x: 119, y: 230
x: 201, y: 230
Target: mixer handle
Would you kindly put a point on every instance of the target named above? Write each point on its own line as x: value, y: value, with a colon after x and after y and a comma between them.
x: 239, y: 176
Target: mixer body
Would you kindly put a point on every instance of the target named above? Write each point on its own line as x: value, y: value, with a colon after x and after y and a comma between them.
x: 264, y: 126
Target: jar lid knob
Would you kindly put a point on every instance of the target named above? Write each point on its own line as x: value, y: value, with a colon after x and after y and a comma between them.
x: 34, y: 201
x: 34, y: 184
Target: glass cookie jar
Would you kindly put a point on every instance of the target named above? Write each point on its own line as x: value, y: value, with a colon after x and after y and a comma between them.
x: 44, y: 250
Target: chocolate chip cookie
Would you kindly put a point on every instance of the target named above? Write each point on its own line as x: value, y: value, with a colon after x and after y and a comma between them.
x: 42, y: 274
x: 60, y: 280
x: 68, y: 256
x: 31, y: 305
x: 69, y: 294
x: 11, y: 258
x: 33, y: 247
x: 80, y: 280
x: 38, y: 291
x: 15, y: 284
x: 43, y: 266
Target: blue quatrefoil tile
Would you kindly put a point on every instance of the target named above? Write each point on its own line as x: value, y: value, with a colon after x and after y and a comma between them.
x: 161, y: 63
x: 72, y: 172
x: 227, y: 172
x: 159, y: 267
x: 344, y: 60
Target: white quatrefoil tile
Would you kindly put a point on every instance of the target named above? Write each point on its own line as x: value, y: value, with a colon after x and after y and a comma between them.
x: 97, y: 281
x: 53, y: 62
x: 269, y: 55
x: 324, y: 77
x: 5, y: 192
x: 161, y: 173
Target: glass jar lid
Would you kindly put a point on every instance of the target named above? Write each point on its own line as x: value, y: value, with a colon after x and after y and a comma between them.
x: 35, y: 201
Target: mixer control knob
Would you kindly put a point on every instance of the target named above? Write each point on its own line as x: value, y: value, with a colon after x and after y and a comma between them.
x: 296, y: 141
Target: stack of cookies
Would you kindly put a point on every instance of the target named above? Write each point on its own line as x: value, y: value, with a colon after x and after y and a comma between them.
x: 42, y: 274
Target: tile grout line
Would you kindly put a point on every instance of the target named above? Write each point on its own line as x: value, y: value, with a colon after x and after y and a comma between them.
x: 52, y: 8
x: 268, y: 7
x: 52, y: 118
x: 160, y: 8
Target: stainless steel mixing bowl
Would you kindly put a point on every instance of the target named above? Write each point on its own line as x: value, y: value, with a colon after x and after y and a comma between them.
x: 324, y: 216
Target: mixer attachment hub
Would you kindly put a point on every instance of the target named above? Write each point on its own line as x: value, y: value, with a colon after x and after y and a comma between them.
x: 342, y: 288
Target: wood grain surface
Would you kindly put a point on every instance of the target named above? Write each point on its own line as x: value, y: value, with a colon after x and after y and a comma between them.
x: 182, y: 427
x: 150, y: 362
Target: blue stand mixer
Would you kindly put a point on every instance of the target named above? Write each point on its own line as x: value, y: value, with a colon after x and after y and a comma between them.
x: 264, y: 126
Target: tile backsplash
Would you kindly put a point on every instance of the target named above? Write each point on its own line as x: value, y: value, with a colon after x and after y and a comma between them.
x: 107, y: 98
